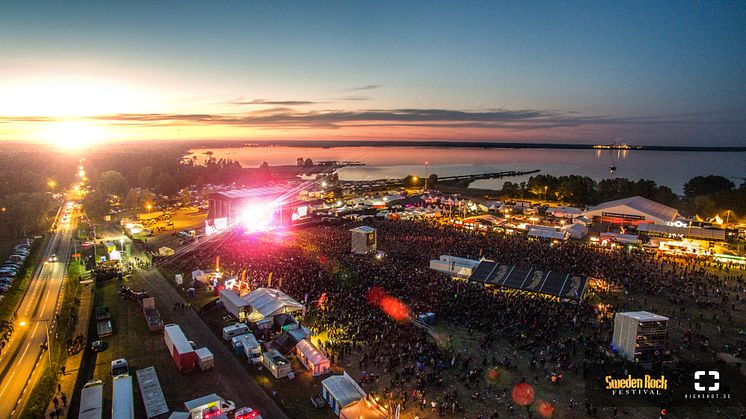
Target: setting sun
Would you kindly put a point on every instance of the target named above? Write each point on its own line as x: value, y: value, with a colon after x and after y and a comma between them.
x: 72, y: 135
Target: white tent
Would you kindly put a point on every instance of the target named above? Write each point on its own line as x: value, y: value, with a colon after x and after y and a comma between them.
x: 635, y: 207
x: 363, y: 240
x: 312, y: 358
x: 576, y: 231
x: 546, y: 233
x: 165, y: 251
x: 269, y: 302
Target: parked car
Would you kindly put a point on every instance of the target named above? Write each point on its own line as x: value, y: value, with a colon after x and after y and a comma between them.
x: 53, y: 258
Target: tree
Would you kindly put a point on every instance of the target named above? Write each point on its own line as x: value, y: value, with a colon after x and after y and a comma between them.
x: 300, y: 162
x: 707, y: 185
x: 186, y: 196
x: 308, y: 163
x: 165, y: 184
x: 112, y: 182
x: 132, y: 201
x: 432, y: 180
x: 145, y: 177
x: 96, y: 204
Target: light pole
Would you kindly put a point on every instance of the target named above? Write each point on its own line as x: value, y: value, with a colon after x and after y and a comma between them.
x: 425, y: 187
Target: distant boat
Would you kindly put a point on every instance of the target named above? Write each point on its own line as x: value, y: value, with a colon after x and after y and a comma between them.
x: 612, y: 169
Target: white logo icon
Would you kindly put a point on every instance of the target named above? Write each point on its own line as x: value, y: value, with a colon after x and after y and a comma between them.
x: 715, y: 376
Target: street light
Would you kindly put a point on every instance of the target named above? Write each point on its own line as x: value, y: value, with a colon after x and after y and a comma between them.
x: 24, y: 323
x: 148, y: 207
x: 52, y: 184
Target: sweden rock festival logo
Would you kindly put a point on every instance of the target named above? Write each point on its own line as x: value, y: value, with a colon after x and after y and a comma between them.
x: 646, y: 385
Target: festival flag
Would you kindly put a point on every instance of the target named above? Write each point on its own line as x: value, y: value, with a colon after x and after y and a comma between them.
x: 280, y: 282
x: 322, y: 299
x: 269, y: 280
x: 217, y: 263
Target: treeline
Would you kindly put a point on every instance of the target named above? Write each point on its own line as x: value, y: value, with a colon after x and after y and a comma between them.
x: 706, y: 196
x: 29, y: 176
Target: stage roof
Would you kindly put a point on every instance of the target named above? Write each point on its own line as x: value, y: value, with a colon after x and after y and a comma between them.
x: 548, y: 282
x: 250, y: 193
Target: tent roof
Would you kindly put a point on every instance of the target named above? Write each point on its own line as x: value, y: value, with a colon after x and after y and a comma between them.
x: 313, y: 354
x: 343, y: 389
x: 250, y: 193
x: 361, y: 409
x: 640, y: 204
x: 269, y: 301
x: 546, y: 232
x: 233, y: 298
x: 698, y: 232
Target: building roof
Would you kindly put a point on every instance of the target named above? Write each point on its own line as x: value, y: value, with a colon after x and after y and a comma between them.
x: 640, y: 204
x: 270, y: 301
x: 695, y: 232
x: 363, y: 229
x: 644, y: 316
x: 250, y: 193
x: 312, y: 353
x: 343, y: 389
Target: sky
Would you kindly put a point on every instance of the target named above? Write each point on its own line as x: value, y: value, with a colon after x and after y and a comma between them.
x: 648, y: 72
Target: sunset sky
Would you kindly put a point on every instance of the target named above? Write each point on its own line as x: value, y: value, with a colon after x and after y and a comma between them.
x: 669, y: 73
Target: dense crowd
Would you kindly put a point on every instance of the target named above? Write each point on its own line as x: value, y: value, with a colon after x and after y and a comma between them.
x: 397, y: 360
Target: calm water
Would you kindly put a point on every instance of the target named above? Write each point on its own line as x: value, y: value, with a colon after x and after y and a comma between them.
x: 670, y: 168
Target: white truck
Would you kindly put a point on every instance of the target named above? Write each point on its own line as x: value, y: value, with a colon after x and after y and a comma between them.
x: 122, y: 400
x: 251, y: 348
x: 91, y: 400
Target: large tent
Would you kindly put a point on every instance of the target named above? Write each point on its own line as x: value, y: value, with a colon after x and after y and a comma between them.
x: 633, y: 210
x: 269, y: 302
x: 312, y: 358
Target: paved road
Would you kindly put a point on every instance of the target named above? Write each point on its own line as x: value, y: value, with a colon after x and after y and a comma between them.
x: 37, y: 310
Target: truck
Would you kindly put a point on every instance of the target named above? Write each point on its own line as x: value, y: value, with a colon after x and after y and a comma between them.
x: 103, y: 321
x: 91, y: 400
x: 152, y: 315
x: 179, y: 347
x: 234, y: 330
x: 211, y: 405
x: 122, y: 400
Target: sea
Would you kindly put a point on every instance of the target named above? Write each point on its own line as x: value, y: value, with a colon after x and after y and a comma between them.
x: 669, y: 168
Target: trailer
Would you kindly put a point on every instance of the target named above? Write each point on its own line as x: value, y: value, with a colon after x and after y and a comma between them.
x: 152, y: 315
x: 102, y: 313
x: 206, y: 359
x: 104, y: 328
x: 151, y: 392
x: 91, y: 400
x: 122, y: 403
x: 179, y: 347
x: 233, y: 330
x: 211, y: 405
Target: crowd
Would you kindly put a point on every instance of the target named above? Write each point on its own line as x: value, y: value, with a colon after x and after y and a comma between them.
x: 548, y: 340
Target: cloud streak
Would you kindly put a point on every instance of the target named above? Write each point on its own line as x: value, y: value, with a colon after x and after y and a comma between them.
x: 285, y: 118
x: 364, y: 88
x: 240, y: 101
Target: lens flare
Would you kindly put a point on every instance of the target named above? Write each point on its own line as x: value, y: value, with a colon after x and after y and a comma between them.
x: 392, y: 306
x: 546, y: 409
x: 523, y: 394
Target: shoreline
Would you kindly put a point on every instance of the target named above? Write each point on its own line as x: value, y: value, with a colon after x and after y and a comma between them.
x: 447, y: 144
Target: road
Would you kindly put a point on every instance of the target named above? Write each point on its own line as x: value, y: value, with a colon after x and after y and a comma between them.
x: 35, y: 313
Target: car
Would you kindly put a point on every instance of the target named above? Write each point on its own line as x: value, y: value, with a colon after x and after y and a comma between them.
x: 53, y: 258
x: 98, y: 346
x: 247, y: 413
x: 119, y: 366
